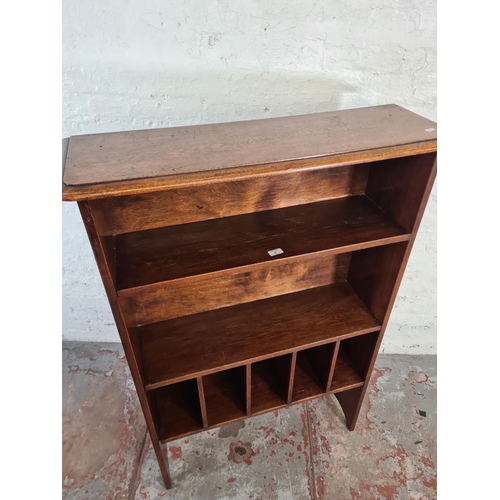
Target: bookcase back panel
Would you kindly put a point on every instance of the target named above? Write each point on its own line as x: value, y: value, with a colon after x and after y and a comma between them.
x: 192, y: 204
x: 194, y: 294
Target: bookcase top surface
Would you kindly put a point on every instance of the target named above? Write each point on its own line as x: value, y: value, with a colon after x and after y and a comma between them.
x: 140, y: 161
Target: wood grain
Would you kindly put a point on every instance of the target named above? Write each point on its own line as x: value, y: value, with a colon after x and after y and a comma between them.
x: 206, y: 292
x: 205, y: 178
x: 127, y: 214
x: 203, y: 343
x: 345, y: 224
x: 122, y: 156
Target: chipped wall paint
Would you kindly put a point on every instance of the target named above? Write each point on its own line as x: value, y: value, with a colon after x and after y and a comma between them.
x: 133, y: 65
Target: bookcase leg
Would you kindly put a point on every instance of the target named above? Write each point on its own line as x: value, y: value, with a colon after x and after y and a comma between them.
x: 350, y: 401
x: 161, y: 456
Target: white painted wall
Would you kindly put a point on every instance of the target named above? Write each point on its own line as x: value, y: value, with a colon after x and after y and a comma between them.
x: 152, y: 63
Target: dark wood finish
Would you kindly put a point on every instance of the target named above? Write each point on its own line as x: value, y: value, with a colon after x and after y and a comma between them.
x: 194, y: 294
x: 127, y: 214
x: 181, y: 220
x: 344, y: 224
x: 102, y: 159
x: 203, y: 343
x: 225, y: 395
x: 178, y: 410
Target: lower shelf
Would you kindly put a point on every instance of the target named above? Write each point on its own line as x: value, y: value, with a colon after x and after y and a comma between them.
x: 204, y: 343
x: 274, y: 383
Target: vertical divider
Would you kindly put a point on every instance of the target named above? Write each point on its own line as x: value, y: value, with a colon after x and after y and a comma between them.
x: 332, y: 367
x: 248, y: 385
x: 291, y: 377
x: 203, y: 406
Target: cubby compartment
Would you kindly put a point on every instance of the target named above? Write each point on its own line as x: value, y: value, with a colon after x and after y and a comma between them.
x: 353, y: 361
x: 178, y: 409
x: 270, y: 383
x: 312, y: 371
x: 225, y: 395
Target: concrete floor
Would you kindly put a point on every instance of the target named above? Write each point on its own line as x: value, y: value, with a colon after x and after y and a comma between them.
x: 303, y: 452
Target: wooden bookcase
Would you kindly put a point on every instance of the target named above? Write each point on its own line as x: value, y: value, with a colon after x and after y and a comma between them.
x: 252, y: 265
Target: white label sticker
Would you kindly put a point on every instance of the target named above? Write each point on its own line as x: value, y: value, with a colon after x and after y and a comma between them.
x: 430, y: 129
x: 274, y: 252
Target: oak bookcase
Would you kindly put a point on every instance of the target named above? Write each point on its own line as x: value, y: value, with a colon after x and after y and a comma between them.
x: 252, y: 265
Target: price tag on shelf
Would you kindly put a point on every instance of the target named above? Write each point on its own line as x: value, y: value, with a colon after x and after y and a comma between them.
x: 274, y: 252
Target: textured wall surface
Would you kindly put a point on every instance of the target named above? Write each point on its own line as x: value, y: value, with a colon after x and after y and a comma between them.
x: 133, y: 65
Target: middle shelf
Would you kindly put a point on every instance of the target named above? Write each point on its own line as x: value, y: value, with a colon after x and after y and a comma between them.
x: 203, y: 343
x: 173, y: 252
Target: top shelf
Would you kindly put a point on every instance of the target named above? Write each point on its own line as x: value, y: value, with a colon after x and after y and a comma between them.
x: 140, y: 161
x: 168, y: 253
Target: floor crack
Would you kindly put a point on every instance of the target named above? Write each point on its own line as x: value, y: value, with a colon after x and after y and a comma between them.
x: 311, y: 455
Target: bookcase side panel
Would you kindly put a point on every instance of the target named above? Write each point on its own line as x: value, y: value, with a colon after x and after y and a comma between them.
x: 376, y: 273
x: 106, y: 276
